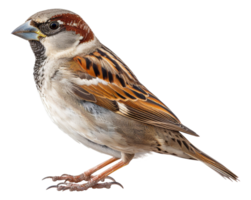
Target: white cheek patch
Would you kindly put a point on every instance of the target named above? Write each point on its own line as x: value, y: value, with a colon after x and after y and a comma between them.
x: 49, y: 49
x: 60, y: 45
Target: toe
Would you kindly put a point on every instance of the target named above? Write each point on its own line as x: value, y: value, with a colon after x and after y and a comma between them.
x: 67, y: 177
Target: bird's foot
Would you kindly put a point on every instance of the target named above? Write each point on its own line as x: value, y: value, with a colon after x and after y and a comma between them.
x: 70, y: 178
x: 78, y: 183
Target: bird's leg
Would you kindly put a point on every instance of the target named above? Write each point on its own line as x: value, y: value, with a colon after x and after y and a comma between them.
x: 91, y: 178
x: 79, y: 177
x: 89, y: 172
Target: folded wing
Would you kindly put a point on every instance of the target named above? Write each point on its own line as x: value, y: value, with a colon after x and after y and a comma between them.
x: 102, y: 78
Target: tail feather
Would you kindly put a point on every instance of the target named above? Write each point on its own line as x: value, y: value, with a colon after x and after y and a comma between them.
x: 213, y: 164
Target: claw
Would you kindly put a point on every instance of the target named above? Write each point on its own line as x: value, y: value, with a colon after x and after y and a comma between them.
x: 114, y: 182
x: 50, y: 186
x: 46, y: 178
x: 66, y: 178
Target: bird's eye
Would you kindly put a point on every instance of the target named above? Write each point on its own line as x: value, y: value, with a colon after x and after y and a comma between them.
x: 54, y: 25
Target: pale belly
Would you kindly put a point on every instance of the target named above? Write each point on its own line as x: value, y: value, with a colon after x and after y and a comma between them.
x: 77, y: 127
x: 96, y: 127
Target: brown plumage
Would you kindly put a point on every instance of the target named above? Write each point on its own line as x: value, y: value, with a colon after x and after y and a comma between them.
x: 122, y: 86
x: 93, y: 96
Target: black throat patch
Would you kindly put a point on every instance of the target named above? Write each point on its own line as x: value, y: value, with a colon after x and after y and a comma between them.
x: 39, y: 52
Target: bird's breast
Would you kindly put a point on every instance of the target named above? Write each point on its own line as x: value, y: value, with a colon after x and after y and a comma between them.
x: 82, y: 119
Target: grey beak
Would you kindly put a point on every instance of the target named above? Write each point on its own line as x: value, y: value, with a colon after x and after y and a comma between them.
x: 26, y: 31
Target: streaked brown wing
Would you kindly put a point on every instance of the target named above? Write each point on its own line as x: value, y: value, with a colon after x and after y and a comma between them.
x: 112, y: 85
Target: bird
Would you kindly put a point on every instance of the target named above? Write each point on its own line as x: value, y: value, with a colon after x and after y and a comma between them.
x: 95, y: 98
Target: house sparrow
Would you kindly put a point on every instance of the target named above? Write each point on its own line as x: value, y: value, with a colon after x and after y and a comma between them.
x: 91, y: 94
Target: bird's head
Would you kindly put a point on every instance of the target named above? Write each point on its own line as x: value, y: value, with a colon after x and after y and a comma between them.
x: 61, y: 31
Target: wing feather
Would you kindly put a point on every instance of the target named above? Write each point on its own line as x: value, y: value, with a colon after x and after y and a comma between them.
x: 113, y: 85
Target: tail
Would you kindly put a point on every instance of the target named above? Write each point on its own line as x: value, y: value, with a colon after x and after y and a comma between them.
x: 213, y: 164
